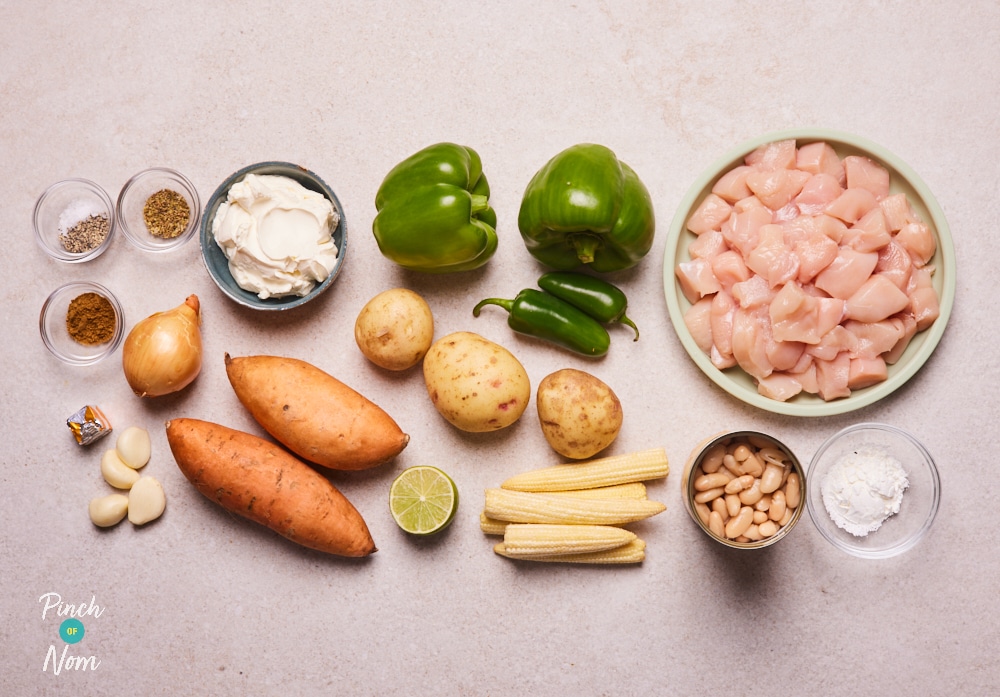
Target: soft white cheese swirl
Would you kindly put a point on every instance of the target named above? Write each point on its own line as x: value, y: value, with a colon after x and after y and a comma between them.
x: 276, y: 235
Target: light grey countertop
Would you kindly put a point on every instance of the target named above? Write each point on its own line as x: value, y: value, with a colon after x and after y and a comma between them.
x: 201, y: 602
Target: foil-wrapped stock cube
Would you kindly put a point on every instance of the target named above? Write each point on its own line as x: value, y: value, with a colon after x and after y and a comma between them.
x: 88, y: 424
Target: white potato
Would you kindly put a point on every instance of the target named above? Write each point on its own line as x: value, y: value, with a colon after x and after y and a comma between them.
x: 579, y: 414
x: 395, y: 329
x: 475, y: 384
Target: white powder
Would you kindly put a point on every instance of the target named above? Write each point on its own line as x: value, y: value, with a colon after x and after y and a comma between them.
x: 78, y: 211
x: 862, y: 489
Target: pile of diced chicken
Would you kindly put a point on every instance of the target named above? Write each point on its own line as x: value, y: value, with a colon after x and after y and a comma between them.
x: 806, y: 272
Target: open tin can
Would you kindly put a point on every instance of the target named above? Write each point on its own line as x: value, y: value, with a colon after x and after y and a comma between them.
x: 750, y: 462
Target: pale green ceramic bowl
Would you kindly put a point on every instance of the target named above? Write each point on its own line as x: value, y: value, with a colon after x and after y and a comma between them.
x: 902, y: 179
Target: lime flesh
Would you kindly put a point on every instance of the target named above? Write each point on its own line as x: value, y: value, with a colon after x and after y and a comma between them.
x: 423, y: 500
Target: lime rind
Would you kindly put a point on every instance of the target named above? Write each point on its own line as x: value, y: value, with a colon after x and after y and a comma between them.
x: 423, y: 500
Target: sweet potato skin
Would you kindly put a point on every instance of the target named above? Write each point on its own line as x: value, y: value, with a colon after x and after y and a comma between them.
x: 313, y: 414
x: 260, y: 481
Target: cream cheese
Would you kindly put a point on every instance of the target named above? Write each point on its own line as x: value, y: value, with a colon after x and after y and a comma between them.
x: 277, y: 235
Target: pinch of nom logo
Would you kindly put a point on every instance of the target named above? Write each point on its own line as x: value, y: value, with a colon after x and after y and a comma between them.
x: 71, y: 632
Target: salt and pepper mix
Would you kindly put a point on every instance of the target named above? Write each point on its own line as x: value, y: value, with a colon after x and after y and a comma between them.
x: 83, y: 226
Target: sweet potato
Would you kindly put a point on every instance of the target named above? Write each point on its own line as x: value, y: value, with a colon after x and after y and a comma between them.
x: 313, y: 414
x: 260, y: 481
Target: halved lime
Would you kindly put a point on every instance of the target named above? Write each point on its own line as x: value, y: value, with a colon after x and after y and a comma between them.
x: 423, y: 500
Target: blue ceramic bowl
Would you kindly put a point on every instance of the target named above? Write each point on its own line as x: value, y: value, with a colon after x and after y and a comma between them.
x: 217, y: 263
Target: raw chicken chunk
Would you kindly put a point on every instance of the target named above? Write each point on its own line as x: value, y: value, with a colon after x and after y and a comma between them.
x: 917, y: 239
x: 708, y: 245
x: 780, y: 154
x: 751, y: 334
x: 779, y: 386
x: 697, y: 321
x: 730, y: 268
x: 865, y: 173
x: 833, y: 377
x: 897, y: 211
x: 732, y: 186
x: 851, y: 205
x: 772, y: 258
x: 821, y: 158
x: 696, y: 279
x: 895, y: 264
x: 709, y: 215
x: 865, y: 372
x: 777, y: 187
x: 875, y: 300
x: 846, y: 273
x: 819, y: 191
x: 869, y: 234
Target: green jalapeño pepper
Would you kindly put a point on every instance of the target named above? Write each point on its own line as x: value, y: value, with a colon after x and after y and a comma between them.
x: 598, y: 298
x: 434, y: 213
x: 545, y: 316
x: 585, y: 207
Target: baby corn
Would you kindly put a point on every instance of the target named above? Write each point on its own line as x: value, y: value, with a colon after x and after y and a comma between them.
x: 632, y: 490
x: 605, y: 471
x: 490, y: 526
x: 630, y: 553
x: 526, y: 507
x: 529, y: 540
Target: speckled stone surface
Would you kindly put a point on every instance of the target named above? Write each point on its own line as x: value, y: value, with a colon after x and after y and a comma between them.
x: 203, y: 603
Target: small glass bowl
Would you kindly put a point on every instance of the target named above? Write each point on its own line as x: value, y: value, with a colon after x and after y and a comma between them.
x: 899, y: 532
x: 132, y: 201
x: 62, y: 206
x: 692, y: 467
x: 55, y: 335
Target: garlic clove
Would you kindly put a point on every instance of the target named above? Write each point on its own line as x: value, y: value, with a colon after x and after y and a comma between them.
x: 117, y: 473
x: 133, y: 447
x: 108, y: 510
x: 146, y: 501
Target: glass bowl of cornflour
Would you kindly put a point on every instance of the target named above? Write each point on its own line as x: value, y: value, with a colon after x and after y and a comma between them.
x: 874, y: 490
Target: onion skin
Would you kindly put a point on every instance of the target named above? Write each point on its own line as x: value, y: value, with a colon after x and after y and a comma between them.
x: 162, y: 353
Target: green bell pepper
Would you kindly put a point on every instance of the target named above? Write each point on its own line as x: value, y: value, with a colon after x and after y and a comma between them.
x: 585, y: 207
x: 434, y: 213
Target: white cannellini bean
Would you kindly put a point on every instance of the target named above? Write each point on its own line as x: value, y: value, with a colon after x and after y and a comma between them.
x: 133, y: 447
x: 146, y: 501
x: 770, y: 480
x: 117, y: 473
x: 108, y: 510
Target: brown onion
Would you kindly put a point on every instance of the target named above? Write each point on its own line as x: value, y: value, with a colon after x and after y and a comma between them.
x: 162, y: 353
